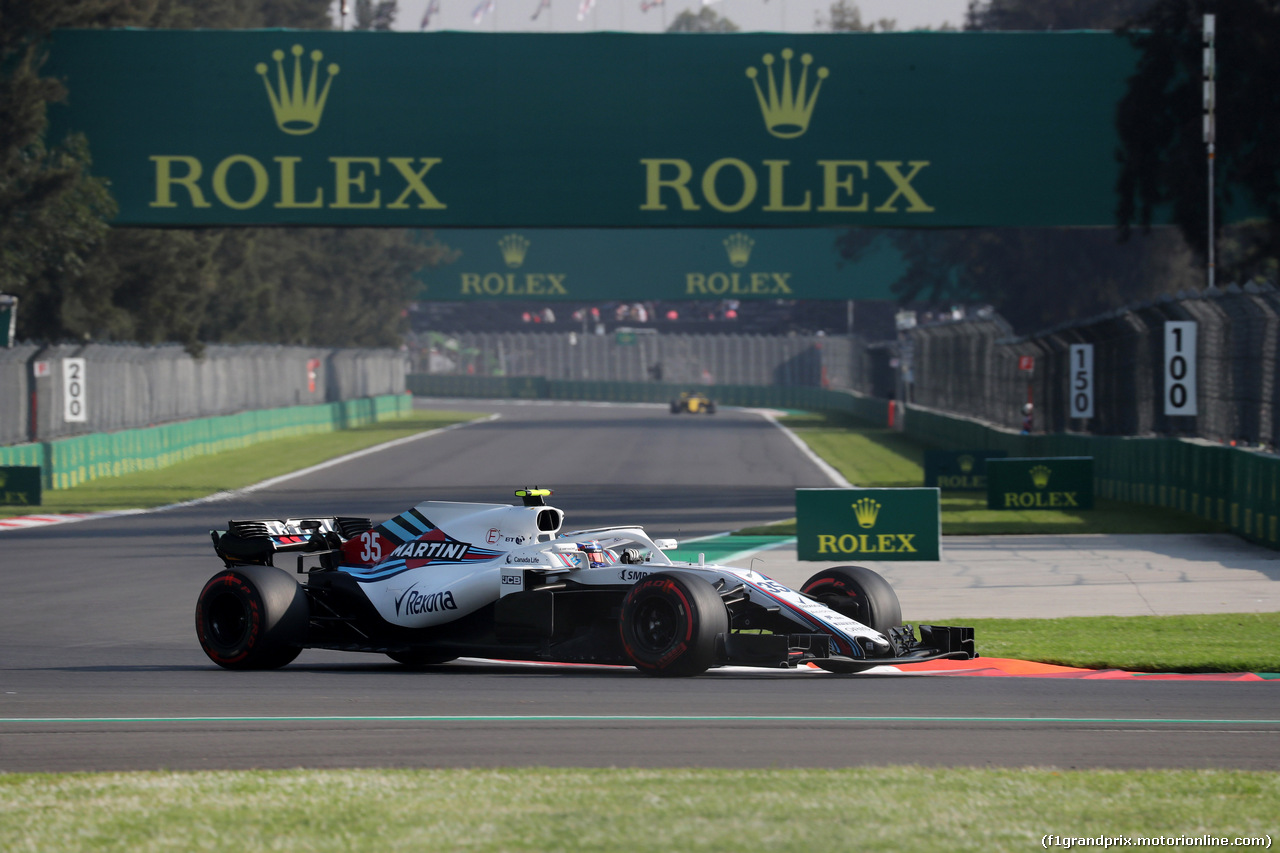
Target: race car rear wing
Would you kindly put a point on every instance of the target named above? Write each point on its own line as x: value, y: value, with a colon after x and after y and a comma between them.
x: 254, y: 541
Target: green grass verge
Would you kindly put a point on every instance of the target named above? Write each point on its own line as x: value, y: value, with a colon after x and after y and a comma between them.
x: 901, y: 808
x: 232, y: 469
x: 879, y: 457
x: 1216, y: 642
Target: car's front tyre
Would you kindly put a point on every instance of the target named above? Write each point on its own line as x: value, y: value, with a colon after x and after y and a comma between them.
x: 862, y: 595
x: 670, y: 624
x: 252, y: 617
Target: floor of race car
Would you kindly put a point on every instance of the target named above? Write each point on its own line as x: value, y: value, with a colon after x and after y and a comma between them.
x: 990, y: 667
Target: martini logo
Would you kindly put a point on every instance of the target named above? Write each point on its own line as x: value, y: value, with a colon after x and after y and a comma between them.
x: 513, y: 247
x: 739, y: 247
x: 296, y: 105
x: 866, y: 510
x: 786, y: 112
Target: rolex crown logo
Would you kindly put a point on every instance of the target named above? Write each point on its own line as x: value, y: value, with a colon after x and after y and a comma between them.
x: 866, y: 510
x: 297, y: 106
x: 513, y: 247
x: 739, y: 247
x: 786, y: 112
x: 1040, y: 476
x: 966, y: 463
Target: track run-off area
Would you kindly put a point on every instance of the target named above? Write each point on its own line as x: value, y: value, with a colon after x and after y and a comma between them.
x: 100, y: 668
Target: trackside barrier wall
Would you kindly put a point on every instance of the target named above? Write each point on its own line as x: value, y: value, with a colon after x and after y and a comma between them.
x: 1232, y: 486
x: 755, y: 396
x: 818, y: 361
x: 970, y: 368
x: 129, y: 386
x: 68, y: 462
x: 1235, y: 487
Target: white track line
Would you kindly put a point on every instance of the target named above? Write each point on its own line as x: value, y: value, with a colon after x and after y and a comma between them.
x: 25, y: 522
x: 833, y: 475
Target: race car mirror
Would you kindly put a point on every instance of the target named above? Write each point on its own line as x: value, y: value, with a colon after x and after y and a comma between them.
x: 666, y: 544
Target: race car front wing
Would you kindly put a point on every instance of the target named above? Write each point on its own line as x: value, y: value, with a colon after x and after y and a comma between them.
x: 937, y: 642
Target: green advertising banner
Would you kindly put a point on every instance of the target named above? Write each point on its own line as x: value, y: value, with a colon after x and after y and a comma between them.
x: 616, y: 130
x: 20, y: 485
x: 606, y: 264
x: 959, y: 470
x: 1057, y: 482
x: 834, y: 525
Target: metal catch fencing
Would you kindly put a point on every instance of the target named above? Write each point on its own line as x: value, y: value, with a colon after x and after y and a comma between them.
x: 816, y: 361
x: 47, y: 392
x: 971, y: 368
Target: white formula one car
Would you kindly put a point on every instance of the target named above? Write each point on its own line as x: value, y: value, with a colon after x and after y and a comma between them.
x: 445, y: 580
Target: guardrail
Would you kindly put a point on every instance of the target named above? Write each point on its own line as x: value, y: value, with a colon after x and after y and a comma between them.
x: 56, y: 391
x: 68, y: 462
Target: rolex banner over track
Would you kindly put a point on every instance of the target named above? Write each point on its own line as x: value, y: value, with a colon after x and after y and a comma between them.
x: 602, y: 130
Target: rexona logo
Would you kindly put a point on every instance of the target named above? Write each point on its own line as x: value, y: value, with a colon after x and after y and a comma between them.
x: 244, y: 182
x: 513, y: 249
x: 413, y: 602
x: 843, y: 182
x: 880, y: 524
x: 733, y: 283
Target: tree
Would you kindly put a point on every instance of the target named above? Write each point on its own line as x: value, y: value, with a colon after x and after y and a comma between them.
x: 1052, y: 14
x: 705, y: 21
x: 370, y: 15
x: 1162, y: 154
x: 1038, y: 277
x: 79, y: 279
x: 1034, y: 277
x: 846, y: 17
x: 51, y: 210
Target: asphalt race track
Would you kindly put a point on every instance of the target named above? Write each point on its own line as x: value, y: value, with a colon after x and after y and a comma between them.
x: 100, y: 668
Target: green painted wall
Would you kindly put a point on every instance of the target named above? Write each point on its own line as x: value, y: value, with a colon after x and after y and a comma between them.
x: 69, y: 462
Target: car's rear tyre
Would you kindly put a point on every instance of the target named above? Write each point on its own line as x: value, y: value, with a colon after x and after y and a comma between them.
x: 711, y: 407
x: 670, y: 624
x: 252, y: 617
x: 862, y: 595
x: 416, y: 658
x: 675, y: 407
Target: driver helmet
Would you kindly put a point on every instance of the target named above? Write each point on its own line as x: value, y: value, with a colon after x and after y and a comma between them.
x: 595, y: 554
